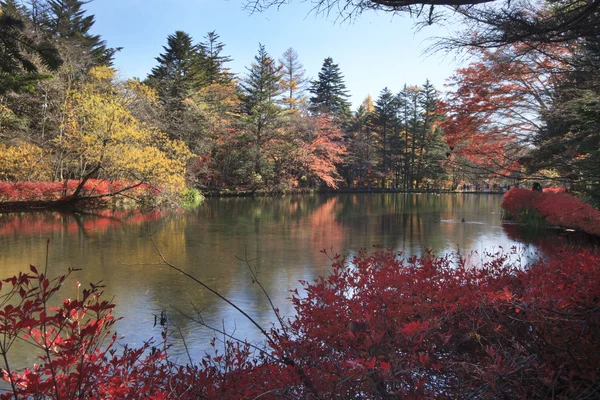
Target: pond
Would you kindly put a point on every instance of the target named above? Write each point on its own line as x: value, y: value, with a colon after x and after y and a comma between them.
x: 281, y: 237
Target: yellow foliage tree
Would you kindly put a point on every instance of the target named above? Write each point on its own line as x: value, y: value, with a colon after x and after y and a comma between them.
x: 218, y: 109
x: 23, y: 162
x: 217, y: 105
x: 102, y: 138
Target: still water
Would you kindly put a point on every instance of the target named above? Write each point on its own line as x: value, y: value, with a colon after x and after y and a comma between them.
x: 283, y: 238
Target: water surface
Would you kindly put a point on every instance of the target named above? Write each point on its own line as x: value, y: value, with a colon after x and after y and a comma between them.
x: 283, y: 238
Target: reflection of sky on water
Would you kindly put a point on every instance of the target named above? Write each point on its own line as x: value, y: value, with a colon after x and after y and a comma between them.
x: 282, y: 236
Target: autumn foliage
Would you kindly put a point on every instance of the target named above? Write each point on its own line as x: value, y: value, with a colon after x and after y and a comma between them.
x: 31, y: 191
x: 556, y: 206
x: 78, y: 355
x: 381, y: 325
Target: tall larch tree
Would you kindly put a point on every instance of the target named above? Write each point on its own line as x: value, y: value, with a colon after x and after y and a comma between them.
x: 385, y: 120
x: 431, y: 147
x: 329, y: 92
x: 361, y: 158
x: 403, y: 161
x: 263, y: 117
x: 293, y: 81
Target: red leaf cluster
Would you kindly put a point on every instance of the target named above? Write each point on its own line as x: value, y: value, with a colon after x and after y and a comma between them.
x: 79, y: 358
x: 556, y: 206
x: 30, y: 191
x: 381, y: 325
x: 426, y: 328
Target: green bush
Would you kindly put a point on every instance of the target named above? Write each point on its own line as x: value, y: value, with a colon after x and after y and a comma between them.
x: 191, y: 197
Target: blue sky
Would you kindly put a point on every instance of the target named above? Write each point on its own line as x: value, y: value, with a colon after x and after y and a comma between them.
x: 375, y: 51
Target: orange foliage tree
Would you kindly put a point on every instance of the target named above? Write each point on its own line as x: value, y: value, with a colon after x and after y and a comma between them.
x: 318, y: 148
x: 494, y: 107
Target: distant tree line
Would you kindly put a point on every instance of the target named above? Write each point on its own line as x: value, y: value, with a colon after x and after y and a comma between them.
x: 65, y: 115
x: 525, y: 110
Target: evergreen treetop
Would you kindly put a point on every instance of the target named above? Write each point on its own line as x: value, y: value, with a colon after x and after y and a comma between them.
x: 18, y: 69
x: 66, y: 20
x: 329, y: 90
x: 213, y: 61
x: 179, y: 71
x: 262, y: 83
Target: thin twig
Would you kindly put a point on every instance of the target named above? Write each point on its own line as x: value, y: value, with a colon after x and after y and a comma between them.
x: 219, y: 295
x: 257, y: 281
x: 187, y: 351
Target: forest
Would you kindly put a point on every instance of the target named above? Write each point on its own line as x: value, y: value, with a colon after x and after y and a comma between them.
x: 516, y: 114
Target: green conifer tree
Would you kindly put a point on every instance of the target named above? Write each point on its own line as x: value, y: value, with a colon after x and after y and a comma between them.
x: 66, y: 20
x: 179, y: 72
x: 18, y: 71
x: 329, y: 91
x: 214, y: 61
x: 431, y: 147
x: 386, y: 110
x: 260, y: 89
x: 361, y: 158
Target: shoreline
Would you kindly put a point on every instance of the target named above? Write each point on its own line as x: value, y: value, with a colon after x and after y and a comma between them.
x: 75, y: 205
x: 250, y: 193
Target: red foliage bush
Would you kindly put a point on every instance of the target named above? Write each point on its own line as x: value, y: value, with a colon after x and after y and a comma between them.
x: 31, y: 191
x: 380, y: 326
x: 430, y: 329
x: 557, y: 207
x: 516, y: 200
x: 79, y: 359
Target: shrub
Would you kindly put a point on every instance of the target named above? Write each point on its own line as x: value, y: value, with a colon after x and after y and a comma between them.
x: 516, y: 200
x: 79, y: 359
x: 426, y: 328
x: 23, y: 161
x: 191, y: 197
x: 33, y: 191
x: 380, y: 326
x: 556, y: 207
x: 554, y: 190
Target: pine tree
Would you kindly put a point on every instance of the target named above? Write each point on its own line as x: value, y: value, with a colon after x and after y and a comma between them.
x: 67, y: 21
x: 293, y: 82
x: 413, y: 126
x: 408, y: 115
x: 568, y: 141
x: 330, y: 94
x: 179, y: 71
x: 431, y: 147
x: 417, y: 143
x: 214, y: 62
x: 260, y: 88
